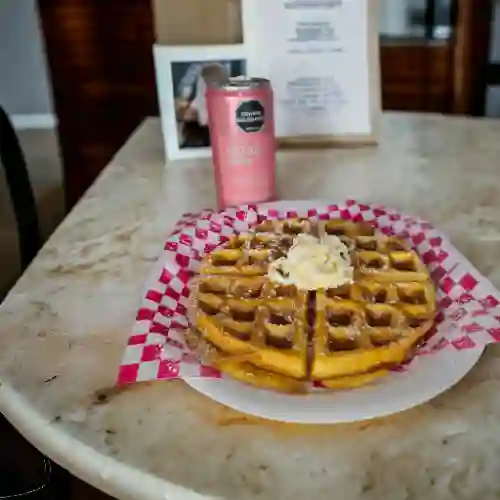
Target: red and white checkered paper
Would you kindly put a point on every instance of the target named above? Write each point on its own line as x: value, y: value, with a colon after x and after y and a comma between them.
x: 469, y: 305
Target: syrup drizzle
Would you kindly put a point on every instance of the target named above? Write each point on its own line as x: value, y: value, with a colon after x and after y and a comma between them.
x: 311, y: 320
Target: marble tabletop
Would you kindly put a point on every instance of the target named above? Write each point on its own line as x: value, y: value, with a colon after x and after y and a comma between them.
x: 63, y: 328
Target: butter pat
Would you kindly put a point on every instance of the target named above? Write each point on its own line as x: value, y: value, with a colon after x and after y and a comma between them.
x: 312, y: 264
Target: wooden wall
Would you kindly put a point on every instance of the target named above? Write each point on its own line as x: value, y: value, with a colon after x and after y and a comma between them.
x: 416, y: 77
x: 101, y: 65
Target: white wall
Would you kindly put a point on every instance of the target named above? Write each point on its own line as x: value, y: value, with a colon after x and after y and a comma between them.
x: 394, y: 16
x: 24, y: 84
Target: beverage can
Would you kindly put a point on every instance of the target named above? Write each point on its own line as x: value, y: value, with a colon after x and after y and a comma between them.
x: 241, y: 124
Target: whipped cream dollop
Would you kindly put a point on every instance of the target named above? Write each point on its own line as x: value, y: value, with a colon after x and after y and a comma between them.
x: 312, y: 264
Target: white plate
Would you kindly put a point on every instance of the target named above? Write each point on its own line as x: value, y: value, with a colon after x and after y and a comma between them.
x: 428, y: 376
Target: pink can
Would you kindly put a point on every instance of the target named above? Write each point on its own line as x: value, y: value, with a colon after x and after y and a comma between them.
x: 241, y: 124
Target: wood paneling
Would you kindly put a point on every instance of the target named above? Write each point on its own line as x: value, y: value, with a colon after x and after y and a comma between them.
x: 416, y: 77
x: 471, y: 55
x: 102, y: 71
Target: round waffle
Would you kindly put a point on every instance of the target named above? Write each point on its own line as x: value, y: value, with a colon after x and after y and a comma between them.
x: 277, y: 336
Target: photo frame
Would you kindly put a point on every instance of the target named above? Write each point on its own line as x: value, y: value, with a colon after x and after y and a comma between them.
x: 182, y: 73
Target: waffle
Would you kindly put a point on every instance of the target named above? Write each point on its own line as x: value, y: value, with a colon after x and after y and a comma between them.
x: 368, y: 325
x: 252, y: 317
x: 279, y: 337
x: 247, y: 255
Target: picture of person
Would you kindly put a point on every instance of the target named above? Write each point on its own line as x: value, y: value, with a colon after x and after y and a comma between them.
x: 190, y: 81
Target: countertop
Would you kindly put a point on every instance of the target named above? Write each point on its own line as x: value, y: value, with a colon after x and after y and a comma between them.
x: 64, y: 325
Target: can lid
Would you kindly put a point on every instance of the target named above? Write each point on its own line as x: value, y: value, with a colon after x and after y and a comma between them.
x: 242, y: 83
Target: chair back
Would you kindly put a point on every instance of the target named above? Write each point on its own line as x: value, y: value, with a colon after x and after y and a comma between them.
x: 20, y: 190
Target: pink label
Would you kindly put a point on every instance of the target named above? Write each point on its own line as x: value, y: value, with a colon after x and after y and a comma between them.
x: 246, y: 176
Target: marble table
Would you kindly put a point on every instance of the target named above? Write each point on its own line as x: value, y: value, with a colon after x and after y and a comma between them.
x: 63, y: 327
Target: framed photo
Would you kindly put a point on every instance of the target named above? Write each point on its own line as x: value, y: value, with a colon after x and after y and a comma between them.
x: 182, y: 75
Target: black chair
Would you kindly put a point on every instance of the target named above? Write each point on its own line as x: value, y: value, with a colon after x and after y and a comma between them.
x: 21, y: 193
x: 16, y: 479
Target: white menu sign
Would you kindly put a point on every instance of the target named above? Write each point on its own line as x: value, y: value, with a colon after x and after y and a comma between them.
x: 316, y: 54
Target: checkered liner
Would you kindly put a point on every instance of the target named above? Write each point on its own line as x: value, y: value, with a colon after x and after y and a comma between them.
x: 469, y: 305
